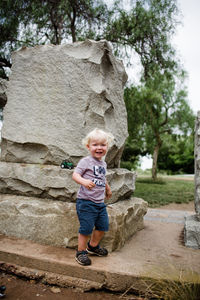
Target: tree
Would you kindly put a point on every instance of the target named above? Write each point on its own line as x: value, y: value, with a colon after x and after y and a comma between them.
x: 158, y: 105
x: 177, y: 154
x: 11, y: 15
x: 156, y: 109
x: 57, y: 20
x: 31, y: 22
x: 146, y: 29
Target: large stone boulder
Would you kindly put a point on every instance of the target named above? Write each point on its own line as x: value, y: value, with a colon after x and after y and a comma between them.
x: 56, y: 95
x: 56, y: 223
x: 52, y: 182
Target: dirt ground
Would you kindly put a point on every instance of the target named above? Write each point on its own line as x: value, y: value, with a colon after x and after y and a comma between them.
x: 19, y: 289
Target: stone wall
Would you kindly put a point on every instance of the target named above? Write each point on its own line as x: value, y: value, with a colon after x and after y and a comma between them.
x: 197, y: 166
x: 192, y: 223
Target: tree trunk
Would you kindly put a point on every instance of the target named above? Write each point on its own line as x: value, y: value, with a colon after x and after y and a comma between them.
x: 73, y: 26
x: 155, y: 158
x: 73, y: 30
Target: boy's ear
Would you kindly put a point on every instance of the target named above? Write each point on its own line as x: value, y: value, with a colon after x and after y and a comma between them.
x: 87, y: 146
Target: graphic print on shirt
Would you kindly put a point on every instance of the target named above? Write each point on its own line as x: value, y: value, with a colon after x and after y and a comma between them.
x: 99, y: 173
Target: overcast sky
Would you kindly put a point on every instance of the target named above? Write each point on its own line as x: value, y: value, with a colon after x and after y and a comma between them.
x: 187, y: 41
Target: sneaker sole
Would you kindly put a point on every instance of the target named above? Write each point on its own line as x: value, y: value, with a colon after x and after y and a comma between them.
x: 82, y: 264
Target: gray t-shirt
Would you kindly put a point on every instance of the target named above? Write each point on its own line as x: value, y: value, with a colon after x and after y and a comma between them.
x: 95, y: 170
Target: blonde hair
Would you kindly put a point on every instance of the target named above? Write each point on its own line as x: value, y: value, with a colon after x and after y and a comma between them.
x: 100, y: 135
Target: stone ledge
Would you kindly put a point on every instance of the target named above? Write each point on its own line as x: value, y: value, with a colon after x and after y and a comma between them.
x: 52, y: 182
x: 55, y: 222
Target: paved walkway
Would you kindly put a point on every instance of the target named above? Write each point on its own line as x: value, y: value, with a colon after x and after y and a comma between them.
x: 157, y: 251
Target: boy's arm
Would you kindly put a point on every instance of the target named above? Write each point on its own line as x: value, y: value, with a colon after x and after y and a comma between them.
x: 85, y: 182
x: 108, y: 191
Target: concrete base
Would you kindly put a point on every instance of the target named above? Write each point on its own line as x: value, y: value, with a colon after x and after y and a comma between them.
x: 192, y: 232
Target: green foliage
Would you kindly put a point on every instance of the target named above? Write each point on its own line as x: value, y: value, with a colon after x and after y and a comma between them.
x: 164, y: 191
x: 146, y: 28
x: 127, y: 165
x: 156, y: 109
x: 131, y: 153
x: 177, y: 154
x: 31, y: 22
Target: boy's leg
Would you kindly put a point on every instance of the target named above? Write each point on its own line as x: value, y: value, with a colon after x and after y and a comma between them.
x: 96, y: 237
x: 82, y: 255
x: 93, y: 245
x: 82, y: 242
x: 101, y: 225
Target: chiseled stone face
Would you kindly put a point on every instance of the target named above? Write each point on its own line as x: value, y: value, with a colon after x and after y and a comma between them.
x: 56, y: 223
x: 56, y: 95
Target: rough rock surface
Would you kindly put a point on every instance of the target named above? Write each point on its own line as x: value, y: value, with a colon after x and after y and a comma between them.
x: 197, y: 166
x: 192, y: 232
x: 48, y: 181
x: 192, y: 223
x: 3, y: 88
x: 56, y: 223
x: 56, y: 95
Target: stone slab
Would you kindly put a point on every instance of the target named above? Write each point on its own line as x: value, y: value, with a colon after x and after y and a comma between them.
x: 49, y: 181
x: 56, y: 95
x: 56, y: 223
x: 192, y: 232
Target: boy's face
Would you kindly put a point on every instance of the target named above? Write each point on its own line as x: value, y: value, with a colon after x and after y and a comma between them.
x: 97, y: 148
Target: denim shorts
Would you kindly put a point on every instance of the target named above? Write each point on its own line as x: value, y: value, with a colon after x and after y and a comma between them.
x: 91, y: 215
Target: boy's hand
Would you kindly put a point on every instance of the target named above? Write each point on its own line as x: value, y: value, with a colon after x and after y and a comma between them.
x: 108, y: 192
x: 85, y: 182
x: 88, y: 184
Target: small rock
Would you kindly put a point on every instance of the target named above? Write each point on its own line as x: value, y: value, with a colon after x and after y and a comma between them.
x: 55, y: 290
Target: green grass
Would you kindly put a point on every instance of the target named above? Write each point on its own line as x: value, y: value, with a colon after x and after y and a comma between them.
x: 175, y: 284
x: 164, y: 191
